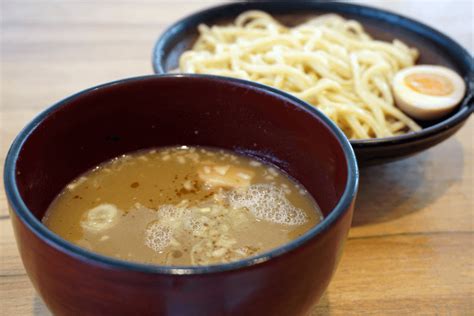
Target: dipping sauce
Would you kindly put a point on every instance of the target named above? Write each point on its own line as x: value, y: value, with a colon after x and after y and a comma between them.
x: 182, y: 206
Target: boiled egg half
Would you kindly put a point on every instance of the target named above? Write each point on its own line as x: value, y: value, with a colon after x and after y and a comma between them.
x: 428, y: 92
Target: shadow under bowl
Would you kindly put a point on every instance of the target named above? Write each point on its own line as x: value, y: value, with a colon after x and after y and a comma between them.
x: 103, y: 122
x: 434, y: 47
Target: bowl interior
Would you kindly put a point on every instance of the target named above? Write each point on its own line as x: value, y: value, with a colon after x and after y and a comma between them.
x: 102, y: 123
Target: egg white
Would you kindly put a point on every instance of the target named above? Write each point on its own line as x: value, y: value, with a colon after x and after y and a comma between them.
x: 423, y: 106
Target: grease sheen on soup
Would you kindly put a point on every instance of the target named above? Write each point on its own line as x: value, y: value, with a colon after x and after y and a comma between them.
x: 182, y: 206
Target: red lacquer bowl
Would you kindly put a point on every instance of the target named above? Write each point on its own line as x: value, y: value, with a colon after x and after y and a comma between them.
x: 106, y: 121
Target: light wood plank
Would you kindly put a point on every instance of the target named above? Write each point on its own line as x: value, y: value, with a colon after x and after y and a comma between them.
x: 410, y: 250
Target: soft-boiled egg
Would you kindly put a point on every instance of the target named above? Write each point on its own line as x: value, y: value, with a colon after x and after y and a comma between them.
x: 428, y: 92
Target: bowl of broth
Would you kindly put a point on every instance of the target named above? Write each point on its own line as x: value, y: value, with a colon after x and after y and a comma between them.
x: 324, y: 53
x: 180, y: 195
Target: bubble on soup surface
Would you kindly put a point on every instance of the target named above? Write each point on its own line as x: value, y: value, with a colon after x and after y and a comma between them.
x: 157, y: 236
x: 268, y: 202
x: 101, y: 217
x: 171, y: 215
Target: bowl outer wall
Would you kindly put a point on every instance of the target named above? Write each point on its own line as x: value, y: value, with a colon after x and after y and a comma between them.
x: 435, y: 47
x: 70, y: 283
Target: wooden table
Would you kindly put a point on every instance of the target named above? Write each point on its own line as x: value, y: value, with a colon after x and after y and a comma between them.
x: 410, y: 250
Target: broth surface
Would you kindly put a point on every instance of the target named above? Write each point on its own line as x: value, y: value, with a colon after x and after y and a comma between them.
x: 182, y: 206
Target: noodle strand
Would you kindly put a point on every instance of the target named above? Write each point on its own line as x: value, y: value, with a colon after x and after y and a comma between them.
x: 329, y: 62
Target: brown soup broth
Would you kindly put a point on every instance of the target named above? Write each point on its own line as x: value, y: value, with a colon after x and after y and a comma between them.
x: 182, y: 206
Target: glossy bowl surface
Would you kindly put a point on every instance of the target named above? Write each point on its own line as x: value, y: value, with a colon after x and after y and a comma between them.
x: 435, y: 48
x: 103, y: 122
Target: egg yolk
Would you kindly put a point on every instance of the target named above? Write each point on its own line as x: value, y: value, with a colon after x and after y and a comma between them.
x: 430, y: 84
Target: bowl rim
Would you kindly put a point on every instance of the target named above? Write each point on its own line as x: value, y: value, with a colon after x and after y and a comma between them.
x: 466, y: 106
x: 19, y: 207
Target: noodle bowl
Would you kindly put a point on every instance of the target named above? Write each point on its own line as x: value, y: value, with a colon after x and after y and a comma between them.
x: 330, y: 62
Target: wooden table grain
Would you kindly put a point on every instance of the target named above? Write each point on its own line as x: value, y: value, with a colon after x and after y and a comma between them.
x: 411, y: 248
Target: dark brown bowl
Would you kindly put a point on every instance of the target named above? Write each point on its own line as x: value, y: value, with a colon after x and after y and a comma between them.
x: 116, y: 118
x: 435, y: 48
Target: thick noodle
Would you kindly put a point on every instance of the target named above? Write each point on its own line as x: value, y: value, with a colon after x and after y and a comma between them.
x: 330, y: 62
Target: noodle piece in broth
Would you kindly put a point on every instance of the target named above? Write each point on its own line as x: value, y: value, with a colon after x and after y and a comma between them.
x: 330, y: 62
